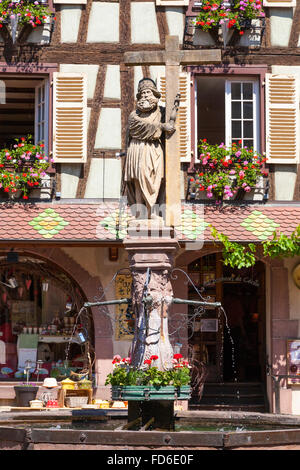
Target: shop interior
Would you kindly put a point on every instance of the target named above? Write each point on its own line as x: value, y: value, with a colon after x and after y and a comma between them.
x: 230, y: 346
x: 39, y: 322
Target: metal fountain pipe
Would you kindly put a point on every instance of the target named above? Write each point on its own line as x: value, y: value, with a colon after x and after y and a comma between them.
x: 148, y: 300
x: 196, y: 302
x: 106, y: 302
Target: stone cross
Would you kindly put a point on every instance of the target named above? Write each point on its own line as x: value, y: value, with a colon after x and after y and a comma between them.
x: 172, y: 57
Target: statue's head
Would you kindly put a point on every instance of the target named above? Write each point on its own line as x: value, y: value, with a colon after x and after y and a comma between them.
x: 147, y: 95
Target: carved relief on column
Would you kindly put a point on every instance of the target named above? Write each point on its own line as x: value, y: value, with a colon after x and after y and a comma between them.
x: 152, y: 295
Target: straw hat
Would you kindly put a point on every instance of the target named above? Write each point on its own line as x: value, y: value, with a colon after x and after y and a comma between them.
x: 50, y: 382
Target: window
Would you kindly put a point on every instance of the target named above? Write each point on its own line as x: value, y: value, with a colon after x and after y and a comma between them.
x: 228, y: 110
x: 23, y: 109
x: 241, y: 121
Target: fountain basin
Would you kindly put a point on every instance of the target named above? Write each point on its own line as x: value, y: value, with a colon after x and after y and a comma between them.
x: 71, y: 430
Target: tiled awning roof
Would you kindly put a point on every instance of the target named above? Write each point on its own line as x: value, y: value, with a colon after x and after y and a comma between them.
x: 93, y: 222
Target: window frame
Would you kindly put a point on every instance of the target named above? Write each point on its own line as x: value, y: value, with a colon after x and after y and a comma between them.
x: 231, y: 71
x: 256, y: 113
x: 43, y: 71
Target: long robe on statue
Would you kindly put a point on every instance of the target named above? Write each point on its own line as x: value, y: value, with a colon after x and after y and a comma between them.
x: 145, y: 159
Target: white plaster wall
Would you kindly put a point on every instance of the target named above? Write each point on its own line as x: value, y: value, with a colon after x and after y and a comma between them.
x: 285, y: 178
x: 91, y: 73
x: 144, y: 28
x: 281, y: 20
x: 157, y: 71
x: 103, y: 22
x: 70, y: 20
x: 175, y: 19
x: 69, y: 179
x: 112, y: 88
x: 108, y: 134
x: 104, y: 179
x: 138, y: 75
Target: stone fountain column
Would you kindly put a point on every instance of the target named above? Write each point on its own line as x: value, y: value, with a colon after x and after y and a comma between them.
x: 151, y: 245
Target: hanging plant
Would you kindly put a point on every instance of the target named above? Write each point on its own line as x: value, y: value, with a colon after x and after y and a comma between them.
x: 225, y: 170
x: 237, y: 14
x: 25, y: 12
x: 22, y: 167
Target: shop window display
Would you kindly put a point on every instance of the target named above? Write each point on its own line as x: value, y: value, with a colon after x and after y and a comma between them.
x: 39, y: 323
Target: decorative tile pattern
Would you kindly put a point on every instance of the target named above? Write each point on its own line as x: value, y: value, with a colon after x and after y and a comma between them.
x: 192, y: 226
x: 260, y: 225
x: 89, y: 222
x: 117, y: 223
x: 48, y: 223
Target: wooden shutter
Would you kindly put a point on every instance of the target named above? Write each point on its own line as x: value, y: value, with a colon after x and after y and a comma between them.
x: 69, y: 117
x: 282, y: 118
x: 279, y: 3
x: 184, y: 113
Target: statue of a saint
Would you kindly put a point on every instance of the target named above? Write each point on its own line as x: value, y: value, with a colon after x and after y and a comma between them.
x: 144, y: 165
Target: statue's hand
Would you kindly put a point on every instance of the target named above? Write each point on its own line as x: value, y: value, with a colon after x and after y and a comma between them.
x: 168, y: 127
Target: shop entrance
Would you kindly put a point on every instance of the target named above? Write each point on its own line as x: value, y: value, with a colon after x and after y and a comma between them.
x: 39, y: 304
x: 231, y: 348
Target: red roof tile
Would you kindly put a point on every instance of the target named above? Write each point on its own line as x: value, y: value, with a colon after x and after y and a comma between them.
x: 60, y: 221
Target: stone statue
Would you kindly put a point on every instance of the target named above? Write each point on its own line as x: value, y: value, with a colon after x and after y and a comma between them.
x: 144, y: 165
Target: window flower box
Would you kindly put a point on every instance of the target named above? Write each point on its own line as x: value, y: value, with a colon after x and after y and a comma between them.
x: 232, y: 19
x: 149, y: 383
x: 226, y: 173
x: 22, y: 168
x: 16, y: 16
x: 147, y: 393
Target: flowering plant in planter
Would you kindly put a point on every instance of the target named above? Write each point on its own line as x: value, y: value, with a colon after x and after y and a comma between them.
x: 28, y: 12
x: 225, y: 170
x: 236, y: 14
x: 125, y: 375
x: 22, y: 166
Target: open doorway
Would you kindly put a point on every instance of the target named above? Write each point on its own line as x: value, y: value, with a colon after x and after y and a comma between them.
x: 232, y: 347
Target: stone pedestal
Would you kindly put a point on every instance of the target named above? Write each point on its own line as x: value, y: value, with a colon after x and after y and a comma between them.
x: 151, y: 251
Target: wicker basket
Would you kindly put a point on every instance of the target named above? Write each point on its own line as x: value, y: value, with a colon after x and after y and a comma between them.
x: 76, y: 402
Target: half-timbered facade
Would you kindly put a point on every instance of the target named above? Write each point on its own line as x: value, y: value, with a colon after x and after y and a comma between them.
x: 67, y: 84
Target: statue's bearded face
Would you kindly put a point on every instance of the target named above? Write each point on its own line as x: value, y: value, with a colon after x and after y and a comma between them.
x: 147, y: 101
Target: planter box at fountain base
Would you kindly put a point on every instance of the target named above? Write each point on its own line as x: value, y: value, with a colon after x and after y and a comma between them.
x: 150, y: 393
x: 150, y: 404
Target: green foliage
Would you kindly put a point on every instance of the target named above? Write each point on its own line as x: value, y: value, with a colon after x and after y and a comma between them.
x: 282, y: 246
x: 125, y: 375
x: 235, y: 254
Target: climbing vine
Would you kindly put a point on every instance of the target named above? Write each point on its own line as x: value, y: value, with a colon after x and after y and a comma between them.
x: 238, y: 255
